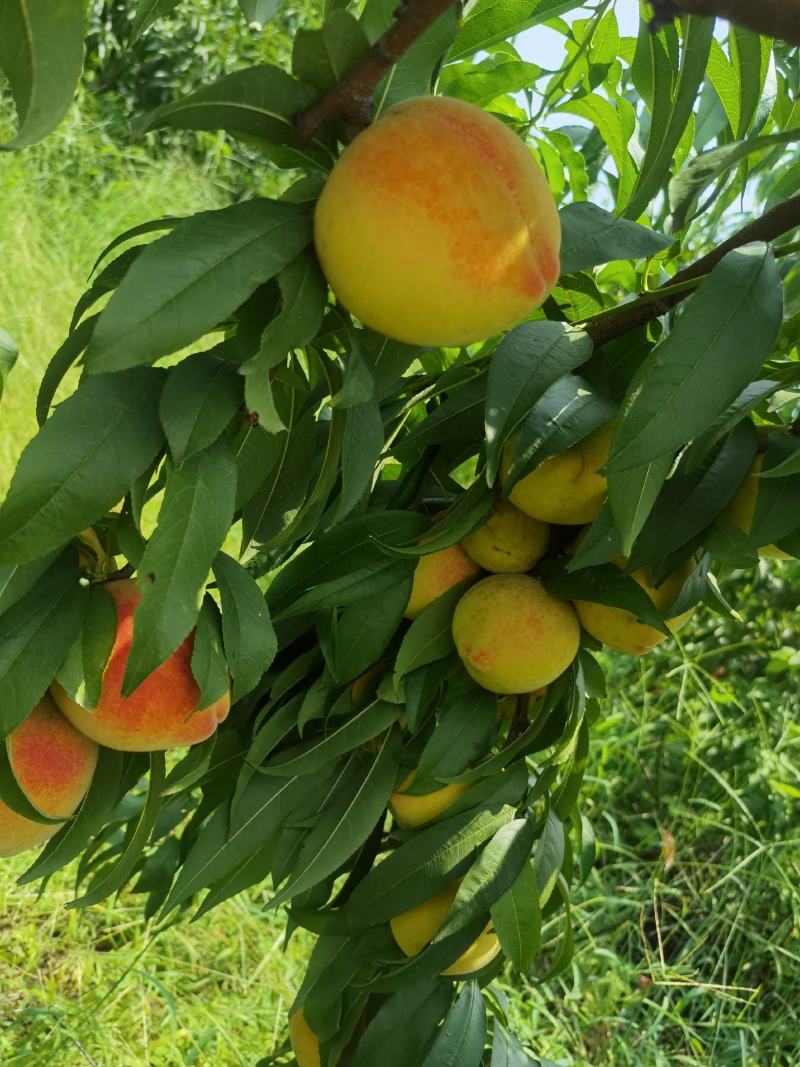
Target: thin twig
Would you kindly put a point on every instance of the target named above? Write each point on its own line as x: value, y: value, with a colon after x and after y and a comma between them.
x: 351, y: 98
x: 781, y: 219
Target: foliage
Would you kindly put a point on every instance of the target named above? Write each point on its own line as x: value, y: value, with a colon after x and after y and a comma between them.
x: 329, y: 449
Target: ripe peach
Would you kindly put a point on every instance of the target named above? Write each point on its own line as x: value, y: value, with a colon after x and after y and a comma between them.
x: 416, y: 928
x: 437, y: 226
x: 565, y: 489
x: 53, y: 765
x: 743, y: 505
x: 621, y: 629
x: 411, y: 811
x: 160, y: 713
x: 435, y: 574
x: 512, y: 635
x: 305, y: 1043
x: 509, y: 542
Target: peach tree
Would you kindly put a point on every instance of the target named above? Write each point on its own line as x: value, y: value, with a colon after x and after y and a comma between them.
x: 337, y: 496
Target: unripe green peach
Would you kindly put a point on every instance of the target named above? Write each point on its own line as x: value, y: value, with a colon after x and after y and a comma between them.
x: 509, y: 542
x: 512, y: 635
x: 437, y: 226
x: 53, y: 765
x: 435, y: 574
x: 565, y: 489
x: 621, y: 629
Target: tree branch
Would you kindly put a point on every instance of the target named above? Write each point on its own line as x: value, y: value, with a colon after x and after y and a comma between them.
x: 613, y: 324
x: 772, y: 18
x: 351, y: 98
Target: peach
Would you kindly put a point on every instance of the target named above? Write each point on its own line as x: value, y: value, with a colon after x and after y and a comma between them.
x: 509, y: 542
x: 621, y: 629
x: 565, y: 489
x: 411, y: 811
x: 512, y: 635
x: 435, y: 574
x: 160, y: 713
x: 743, y: 505
x: 305, y: 1043
x: 416, y: 928
x: 437, y: 226
x: 53, y: 765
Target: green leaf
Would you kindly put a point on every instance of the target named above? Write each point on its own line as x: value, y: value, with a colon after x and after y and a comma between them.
x: 751, y: 57
x: 304, y: 294
x: 567, y: 413
x: 665, y: 134
x: 81, y: 463
x: 362, y: 632
x: 341, y: 551
x: 493, y: 873
x: 482, y: 83
x: 590, y: 236
x: 341, y: 739
x: 193, y: 522
x: 464, y: 517
x: 460, y: 1041
x: 461, y: 736
x: 422, y: 865
x: 110, y: 881
x: 270, y: 511
x: 548, y: 857
x: 717, y: 347
x: 399, y: 1032
x: 9, y: 351
x: 708, y: 167
x: 429, y: 637
x: 259, y: 12
x: 256, y: 102
x: 490, y: 21
x: 201, y: 396
x: 523, y: 366
x: 345, y: 824
x: 517, y: 920
x: 603, y: 584
x: 16, y: 579
x: 361, y: 448
x: 186, y: 283
x: 64, y: 358
x: 81, y: 673
x: 89, y: 819
x: 631, y: 496
x: 322, y: 57
x: 616, y: 123
x: 148, y: 12
x: 41, y: 55
x: 507, y: 1051
x: 250, y: 642
x: 790, y: 465
x: 690, y: 502
x: 209, y: 666
x: 599, y: 544
x: 35, y: 636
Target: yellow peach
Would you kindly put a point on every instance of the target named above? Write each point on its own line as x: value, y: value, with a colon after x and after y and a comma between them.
x: 743, y: 505
x: 435, y: 574
x: 416, y: 928
x: 565, y: 489
x: 512, y: 635
x: 509, y: 542
x: 305, y: 1043
x: 158, y: 714
x: 621, y: 629
x: 437, y: 226
x: 411, y: 811
x: 53, y: 765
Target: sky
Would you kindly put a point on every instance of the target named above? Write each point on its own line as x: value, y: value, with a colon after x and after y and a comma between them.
x: 537, y: 44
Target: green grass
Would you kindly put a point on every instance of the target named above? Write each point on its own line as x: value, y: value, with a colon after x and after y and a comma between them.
x: 695, y: 960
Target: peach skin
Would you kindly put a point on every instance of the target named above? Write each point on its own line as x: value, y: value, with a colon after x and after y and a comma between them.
x: 435, y: 574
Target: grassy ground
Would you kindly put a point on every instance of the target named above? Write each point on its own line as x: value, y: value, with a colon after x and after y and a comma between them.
x: 687, y: 930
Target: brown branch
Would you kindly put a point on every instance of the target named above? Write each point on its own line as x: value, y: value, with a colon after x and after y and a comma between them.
x: 779, y: 220
x: 351, y: 98
x: 772, y: 18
